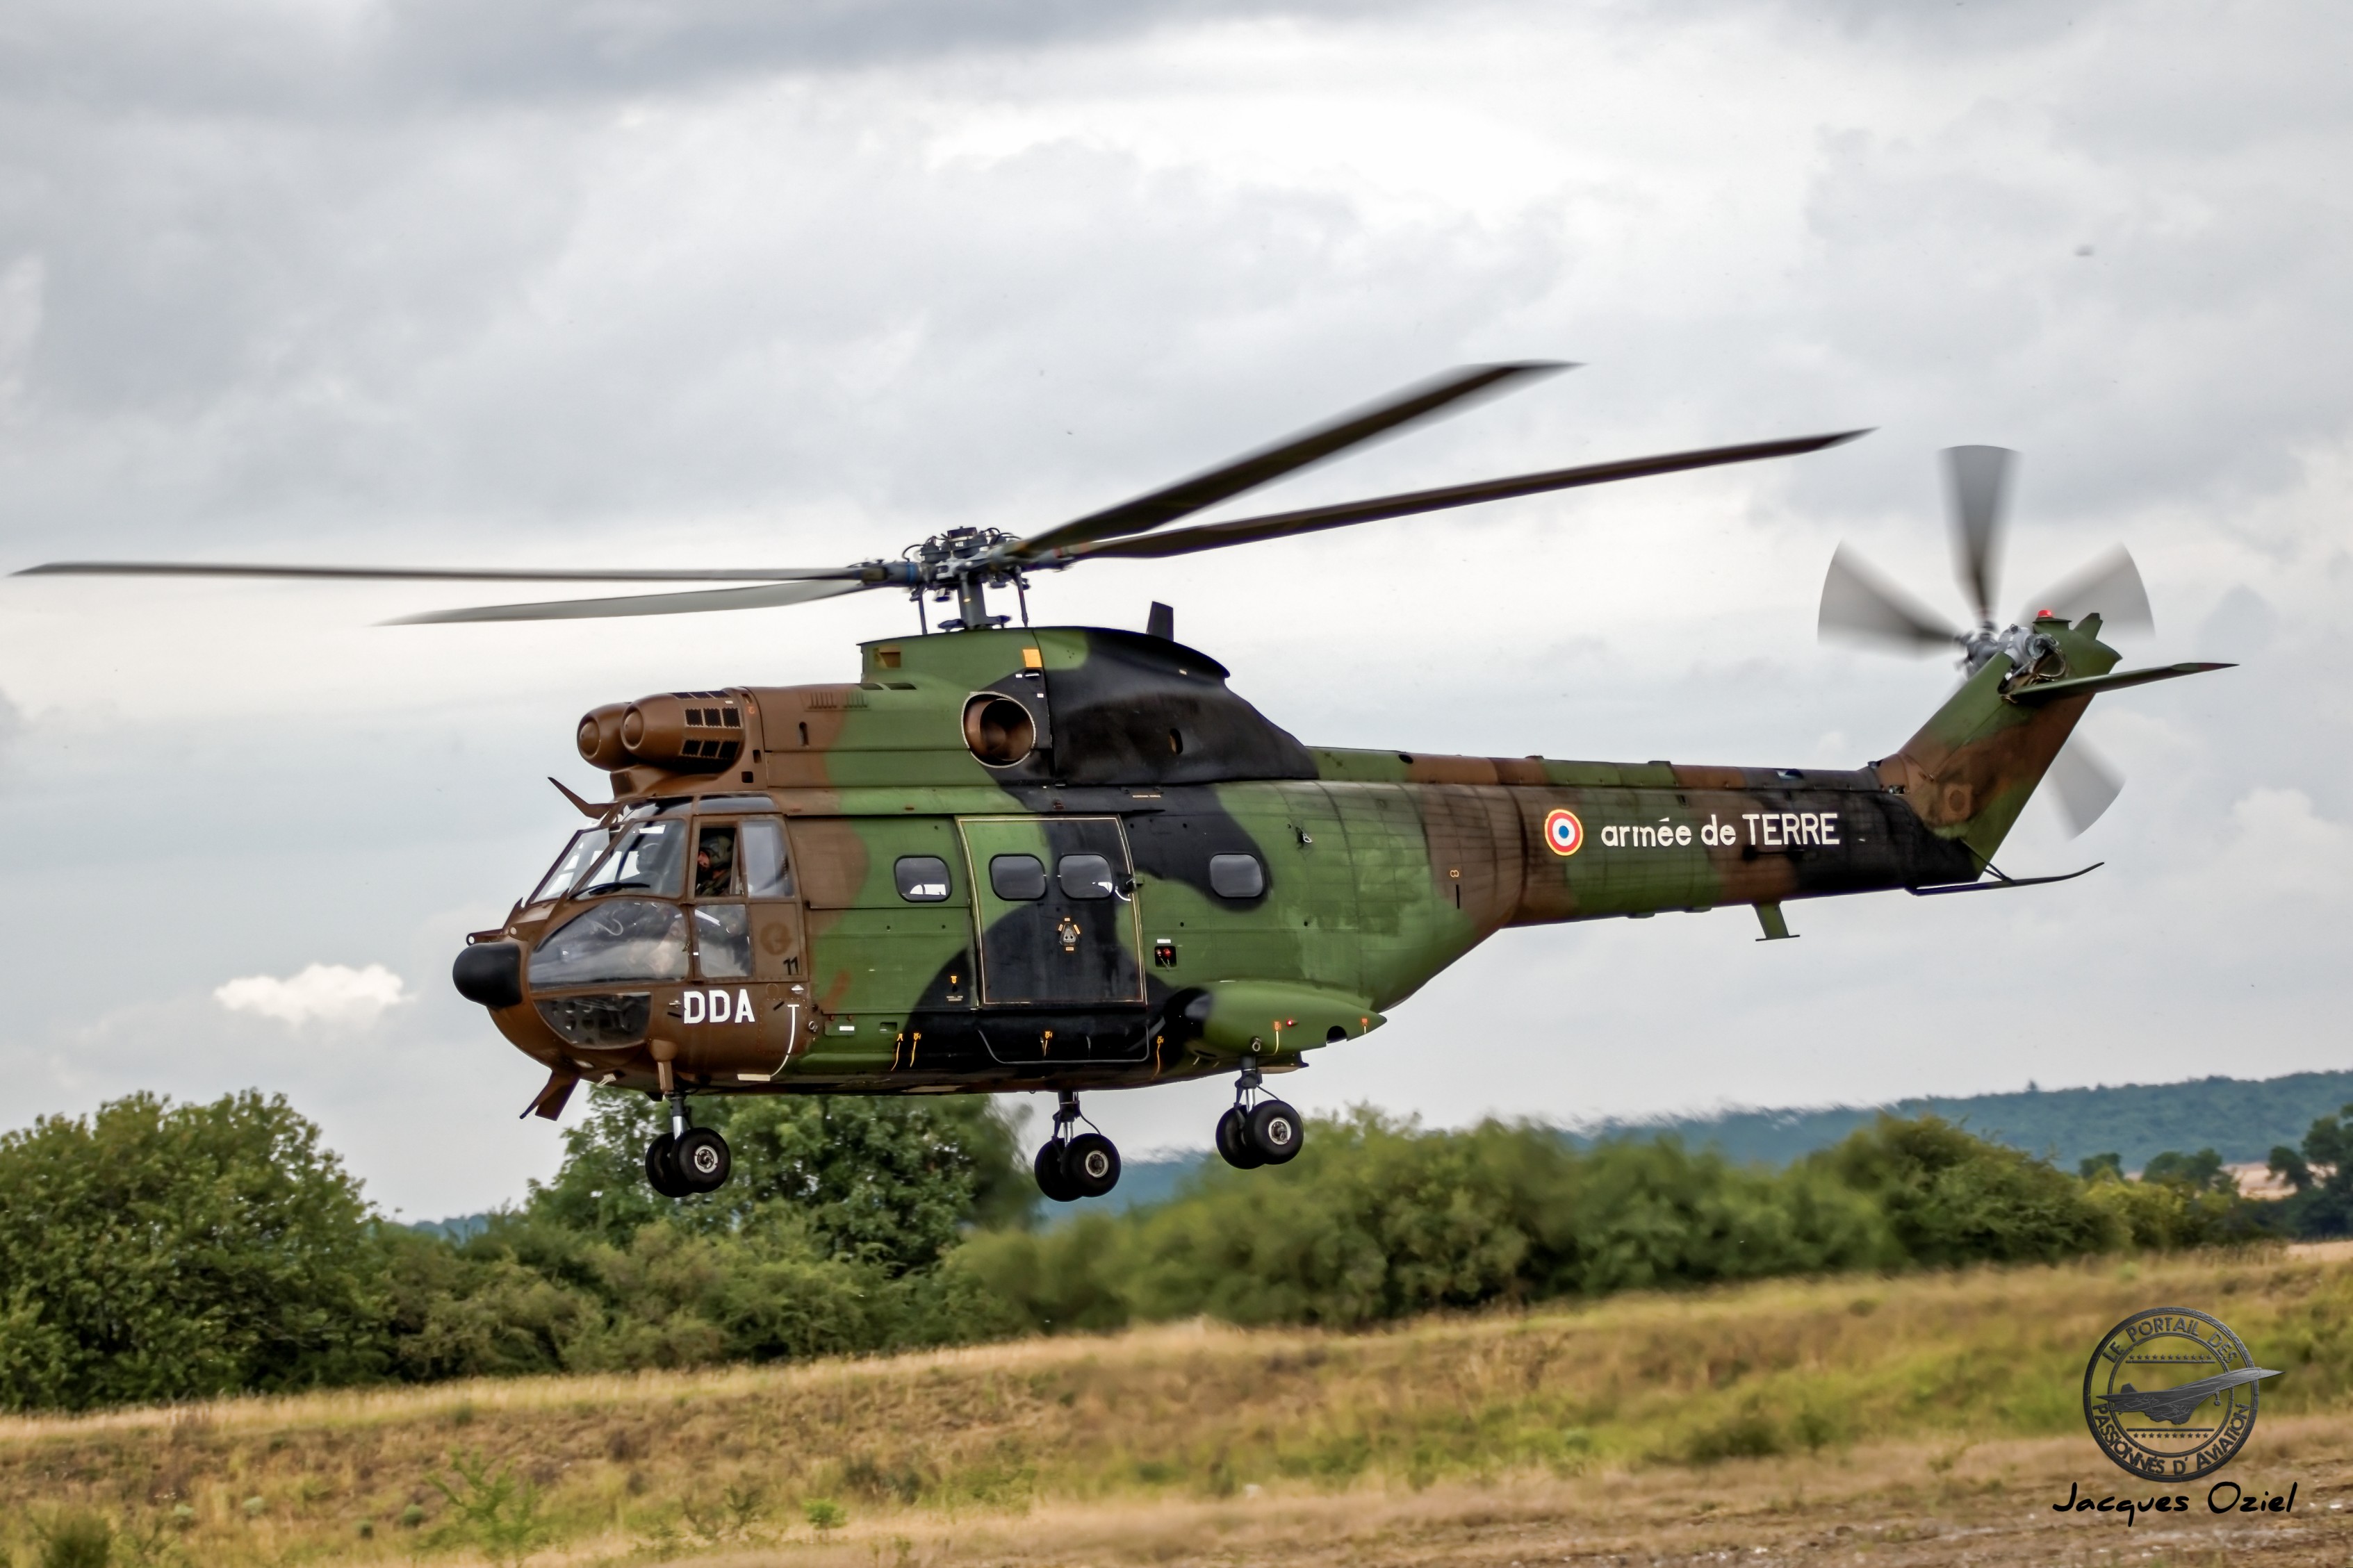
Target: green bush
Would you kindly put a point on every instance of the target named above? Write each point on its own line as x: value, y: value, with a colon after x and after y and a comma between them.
x: 1378, y: 1219
x: 77, y: 1540
x: 1950, y: 1198
x: 156, y: 1251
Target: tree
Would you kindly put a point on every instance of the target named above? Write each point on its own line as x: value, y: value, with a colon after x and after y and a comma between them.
x: 1951, y: 1198
x: 156, y: 1251
x: 883, y: 1179
x: 2322, y: 1174
x: 2201, y: 1172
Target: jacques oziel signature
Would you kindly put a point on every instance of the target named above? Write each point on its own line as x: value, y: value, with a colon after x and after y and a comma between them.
x: 2239, y: 1502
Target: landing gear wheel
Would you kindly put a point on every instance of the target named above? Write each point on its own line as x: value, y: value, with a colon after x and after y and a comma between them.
x: 702, y: 1160
x: 1234, y: 1143
x: 1049, y: 1169
x: 661, y: 1172
x: 1091, y: 1166
x: 1272, y: 1131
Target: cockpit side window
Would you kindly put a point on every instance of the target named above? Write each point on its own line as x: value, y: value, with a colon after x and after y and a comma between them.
x: 629, y: 938
x: 715, y: 871
x: 649, y: 858
x: 577, y: 857
x: 723, y: 942
x: 767, y: 864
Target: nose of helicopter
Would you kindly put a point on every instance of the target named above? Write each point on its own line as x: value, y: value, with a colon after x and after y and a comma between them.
x: 489, y: 973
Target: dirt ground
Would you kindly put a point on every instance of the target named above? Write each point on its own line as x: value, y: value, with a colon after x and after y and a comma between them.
x: 1987, y: 1504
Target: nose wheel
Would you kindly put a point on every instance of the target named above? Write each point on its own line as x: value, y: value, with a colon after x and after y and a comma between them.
x: 1260, y: 1130
x: 1072, y: 1165
x: 687, y: 1159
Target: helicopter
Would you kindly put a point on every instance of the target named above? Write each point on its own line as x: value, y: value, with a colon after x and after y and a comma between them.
x: 1065, y: 859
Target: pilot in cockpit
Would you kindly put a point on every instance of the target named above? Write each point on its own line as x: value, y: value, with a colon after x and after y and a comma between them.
x: 714, y: 863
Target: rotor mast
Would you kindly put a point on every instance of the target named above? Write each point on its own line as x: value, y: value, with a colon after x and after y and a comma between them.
x: 965, y: 563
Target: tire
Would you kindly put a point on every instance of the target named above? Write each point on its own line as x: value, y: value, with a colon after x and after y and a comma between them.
x: 1274, y: 1132
x: 1234, y: 1143
x: 702, y: 1160
x: 1091, y: 1164
x: 1048, y: 1168
x: 662, y: 1174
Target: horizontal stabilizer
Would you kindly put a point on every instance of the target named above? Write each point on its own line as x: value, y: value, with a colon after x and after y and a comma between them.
x: 2001, y: 881
x: 2090, y: 685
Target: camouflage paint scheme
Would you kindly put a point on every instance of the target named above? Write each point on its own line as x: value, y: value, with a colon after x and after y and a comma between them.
x: 1380, y: 868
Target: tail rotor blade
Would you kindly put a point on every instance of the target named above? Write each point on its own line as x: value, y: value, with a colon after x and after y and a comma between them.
x: 1858, y: 603
x: 1980, y: 481
x: 2087, y: 785
x: 2109, y: 587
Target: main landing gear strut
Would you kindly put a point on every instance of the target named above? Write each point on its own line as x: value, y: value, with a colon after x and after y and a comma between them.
x: 1257, y: 1131
x: 686, y: 1159
x: 1070, y: 1167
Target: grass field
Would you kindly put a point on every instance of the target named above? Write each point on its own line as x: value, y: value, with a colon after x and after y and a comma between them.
x: 1923, y: 1419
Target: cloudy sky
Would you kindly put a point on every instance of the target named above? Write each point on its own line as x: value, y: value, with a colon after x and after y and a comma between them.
x: 413, y: 281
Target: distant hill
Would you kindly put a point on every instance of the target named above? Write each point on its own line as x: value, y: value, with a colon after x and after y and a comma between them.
x: 462, y: 1228
x: 2239, y: 1118
x: 1147, y: 1179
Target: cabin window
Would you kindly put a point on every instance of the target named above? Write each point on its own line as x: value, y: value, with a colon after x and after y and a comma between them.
x: 629, y: 938
x: 649, y: 858
x: 921, y: 879
x: 1017, y: 876
x: 767, y: 864
x: 1237, y: 876
x: 723, y: 942
x: 577, y: 857
x: 1085, y: 877
x: 714, y: 863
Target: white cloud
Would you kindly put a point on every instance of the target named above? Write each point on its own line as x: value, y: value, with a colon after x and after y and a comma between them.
x: 2283, y: 847
x: 327, y: 992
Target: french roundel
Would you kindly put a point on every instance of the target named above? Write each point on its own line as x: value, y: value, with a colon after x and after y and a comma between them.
x: 1564, y: 833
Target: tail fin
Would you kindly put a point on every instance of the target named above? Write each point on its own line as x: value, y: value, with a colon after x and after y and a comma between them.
x: 1974, y: 766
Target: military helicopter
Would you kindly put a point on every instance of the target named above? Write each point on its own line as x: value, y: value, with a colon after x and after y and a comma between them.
x: 1067, y: 859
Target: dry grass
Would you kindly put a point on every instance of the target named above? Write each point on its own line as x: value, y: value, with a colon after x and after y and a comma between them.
x: 1892, y: 1506
x: 1931, y: 1417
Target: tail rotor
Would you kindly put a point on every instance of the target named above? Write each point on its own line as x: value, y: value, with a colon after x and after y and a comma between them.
x: 1860, y: 605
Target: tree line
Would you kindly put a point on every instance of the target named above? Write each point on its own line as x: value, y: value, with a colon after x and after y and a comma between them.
x: 155, y: 1251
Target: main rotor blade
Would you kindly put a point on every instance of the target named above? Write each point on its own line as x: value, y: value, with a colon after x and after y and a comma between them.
x: 1979, y: 479
x: 1393, y: 413
x: 1278, y: 525
x: 1857, y: 601
x: 757, y: 598
x: 2109, y: 587
x: 2086, y: 783
x: 429, y: 573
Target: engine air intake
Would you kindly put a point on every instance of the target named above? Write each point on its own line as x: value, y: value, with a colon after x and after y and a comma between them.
x: 683, y: 732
